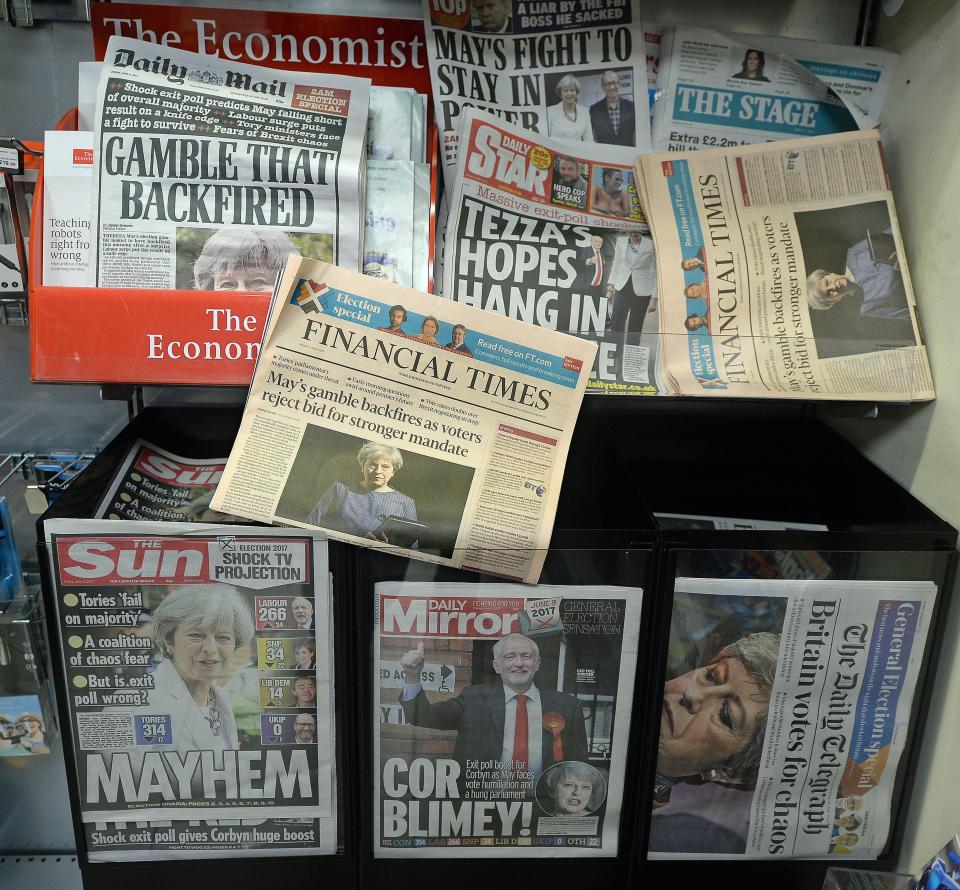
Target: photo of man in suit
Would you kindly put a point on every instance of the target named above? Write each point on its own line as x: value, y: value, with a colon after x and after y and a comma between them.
x: 613, y: 118
x: 493, y: 16
x: 514, y: 722
x: 593, y: 267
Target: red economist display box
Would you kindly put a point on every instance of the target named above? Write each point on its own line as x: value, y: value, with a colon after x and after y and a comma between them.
x: 130, y: 335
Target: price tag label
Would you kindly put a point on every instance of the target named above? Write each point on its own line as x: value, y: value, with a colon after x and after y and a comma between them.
x: 11, y: 161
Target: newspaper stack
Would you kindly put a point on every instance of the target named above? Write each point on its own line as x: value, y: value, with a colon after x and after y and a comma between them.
x: 715, y: 90
x: 209, y: 174
x: 567, y: 73
x: 394, y: 419
x: 397, y: 128
x: 782, y: 273
x: 551, y: 232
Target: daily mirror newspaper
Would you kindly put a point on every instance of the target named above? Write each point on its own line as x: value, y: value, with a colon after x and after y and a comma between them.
x: 716, y: 90
x: 552, y: 233
x: 155, y: 484
x: 199, y: 668
x: 782, y: 272
x: 572, y: 71
x: 391, y: 418
x: 786, y: 708
x: 502, y: 718
x: 209, y: 173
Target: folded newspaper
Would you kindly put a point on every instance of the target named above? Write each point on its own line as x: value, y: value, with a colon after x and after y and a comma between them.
x: 209, y: 174
x: 575, y: 72
x: 716, y: 90
x: 395, y: 419
x: 782, y: 273
x: 786, y: 709
x: 502, y: 719
x: 199, y: 667
x: 552, y: 232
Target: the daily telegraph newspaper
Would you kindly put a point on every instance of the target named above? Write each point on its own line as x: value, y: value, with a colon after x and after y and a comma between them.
x: 786, y: 708
x: 570, y: 71
x: 209, y: 173
x: 716, y: 90
x: 782, y: 272
x: 552, y: 232
x: 502, y: 718
x: 199, y: 664
x: 154, y: 484
x: 390, y: 418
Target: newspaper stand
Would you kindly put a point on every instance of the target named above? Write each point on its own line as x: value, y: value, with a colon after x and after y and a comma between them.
x: 209, y: 432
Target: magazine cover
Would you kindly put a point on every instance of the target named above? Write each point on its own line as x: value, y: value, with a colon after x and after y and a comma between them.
x: 199, y: 665
x: 502, y: 718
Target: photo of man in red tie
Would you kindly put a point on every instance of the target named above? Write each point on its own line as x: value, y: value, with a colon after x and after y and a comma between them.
x: 522, y: 727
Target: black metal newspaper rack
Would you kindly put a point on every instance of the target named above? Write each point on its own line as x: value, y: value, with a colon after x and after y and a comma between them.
x: 845, y: 521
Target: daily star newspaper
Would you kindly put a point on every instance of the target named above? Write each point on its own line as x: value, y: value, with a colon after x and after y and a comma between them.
x: 552, y: 232
x: 502, y: 718
x: 786, y: 709
x: 782, y: 272
x: 199, y: 666
x: 209, y: 173
x: 716, y: 90
x: 569, y: 71
x: 391, y: 418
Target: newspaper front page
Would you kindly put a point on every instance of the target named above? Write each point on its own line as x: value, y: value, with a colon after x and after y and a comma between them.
x: 209, y: 173
x: 573, y: 71
x: 716, y: 90
x: 502, y: 718
x: 552, y: 232
x: 782, y: 272
x: 390, y: 418
x: 786, y: 708
x: 199, y: 666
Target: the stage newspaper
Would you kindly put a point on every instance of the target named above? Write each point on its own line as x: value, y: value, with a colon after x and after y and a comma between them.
x: 209, y: 174
x: 392, y: 418
x: 782, y: 272
x: 520, y: 64
x: 786, y: 709
x: 154, y: 484
x: 502, y: 718
x: 717, y: 90
x: 552, y: 232
x: 198, y: 666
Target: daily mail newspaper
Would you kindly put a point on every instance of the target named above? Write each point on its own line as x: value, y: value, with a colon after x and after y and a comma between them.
x: 199, y: 666
x: 209, y: 174
x: 155, y: 484
x: 502, y: 718
x: 391, y: 418
x: 716, y: 90
x: 786, y: 709
x: 572, y: 70
x: 552, y: 232
x: 782, y: 272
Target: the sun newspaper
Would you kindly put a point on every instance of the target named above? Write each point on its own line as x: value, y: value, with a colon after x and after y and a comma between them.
x: 199, y: 669
x: 209, y: 173
x: 391, y: 418
x: 570, y: 71
x: 552, y: 233
x: 717, y: 90
x: 782, y: 272
x: 502, y: 718
x: 786, y: 709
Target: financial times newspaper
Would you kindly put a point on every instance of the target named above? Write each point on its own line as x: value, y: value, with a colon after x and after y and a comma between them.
x: 786, y: 708
x: 390, y: 418
x: 552, y: 233
x: 571, y: 71
x: 716, y: 90
x: 502, y: 718
x: 154, y: 484
x: 782, y: 272
x: 209, y: 174
x: 198, y: 661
